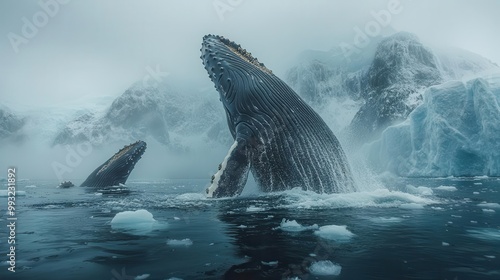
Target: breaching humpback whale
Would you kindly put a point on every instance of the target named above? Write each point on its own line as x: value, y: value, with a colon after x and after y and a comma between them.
x: 115, y: 171
x: 277, y: 136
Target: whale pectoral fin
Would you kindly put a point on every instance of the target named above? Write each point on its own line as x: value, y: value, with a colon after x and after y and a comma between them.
x: 233, y: 172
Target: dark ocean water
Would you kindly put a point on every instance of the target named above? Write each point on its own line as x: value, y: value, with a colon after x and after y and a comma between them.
x: 415, y: 229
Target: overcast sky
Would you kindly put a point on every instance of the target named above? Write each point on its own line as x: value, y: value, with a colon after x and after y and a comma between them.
x: 91, y: 48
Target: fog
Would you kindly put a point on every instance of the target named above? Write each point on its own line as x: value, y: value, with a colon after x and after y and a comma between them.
x: 94, y: 50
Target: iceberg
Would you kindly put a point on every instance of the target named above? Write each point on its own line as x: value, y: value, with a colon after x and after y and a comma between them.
x: 455, y: 132
x: 138, y: 222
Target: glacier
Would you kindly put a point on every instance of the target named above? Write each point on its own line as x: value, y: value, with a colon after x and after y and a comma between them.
x: 455, y: 132
x: 379, y: 87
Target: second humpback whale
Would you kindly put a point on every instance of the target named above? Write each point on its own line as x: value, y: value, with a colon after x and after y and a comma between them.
x: 277, y: 136
x: 115, y: 171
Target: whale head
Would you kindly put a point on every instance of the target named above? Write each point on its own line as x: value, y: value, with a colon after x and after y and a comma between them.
x: 116, y: 170
x: 230, y: 67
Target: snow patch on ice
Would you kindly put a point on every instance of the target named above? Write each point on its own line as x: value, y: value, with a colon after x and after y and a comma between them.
x: 335, y: 233
x: 294, y: 226
x: 324, y: 268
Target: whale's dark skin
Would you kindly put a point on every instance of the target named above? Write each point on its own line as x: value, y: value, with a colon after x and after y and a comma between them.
x: 281, y: 139
x: 115, y: 171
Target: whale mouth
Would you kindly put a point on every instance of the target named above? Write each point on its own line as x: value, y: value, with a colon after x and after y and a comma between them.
x: 217, y: 46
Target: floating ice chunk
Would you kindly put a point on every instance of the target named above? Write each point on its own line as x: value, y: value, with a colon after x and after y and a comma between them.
x: 174, y: 278
x: 271, y: 263
x: 489, y: 205
x: 176, y: 242
x: 242, y: 226
x: 253, y: 208
x: 489, y: 256
x: 478, y: 184
x: 135, y: 222
x: 475, y: 193
x: 411, y: 206
x: 335, y: 233
x: 293, y: 226
x: 488, y: 210
x: 447, y: 188
x: 445, y: 243
x: 142, y: 277
x: 30, y: 186
x: 324, y: 268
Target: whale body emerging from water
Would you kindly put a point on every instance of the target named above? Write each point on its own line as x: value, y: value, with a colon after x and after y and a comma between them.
x: 277, y: 136
x: 115, y: 171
